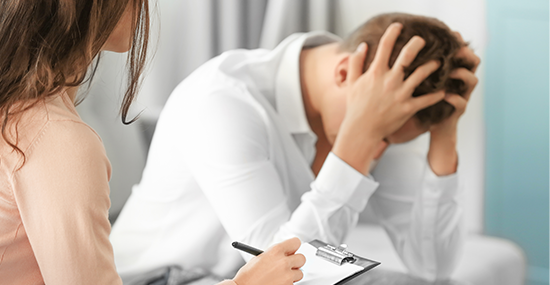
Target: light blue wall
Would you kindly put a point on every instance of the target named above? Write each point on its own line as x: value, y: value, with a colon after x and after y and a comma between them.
x: 516, y: 108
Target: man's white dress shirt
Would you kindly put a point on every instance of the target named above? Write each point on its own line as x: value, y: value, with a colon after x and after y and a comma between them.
x: 230, y: 161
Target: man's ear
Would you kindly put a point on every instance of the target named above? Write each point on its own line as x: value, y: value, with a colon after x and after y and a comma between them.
x: 341, y: 71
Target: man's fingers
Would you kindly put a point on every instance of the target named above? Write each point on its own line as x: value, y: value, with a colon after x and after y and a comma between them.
x: 468, y: 55
x: 385, y: 47
x: 468, y: 77
x: 421, y: 102
x: 297, y: 260
x: 357, y: 62
x: 420, y: 74
x: 457, y: 101
x: 409, y: 53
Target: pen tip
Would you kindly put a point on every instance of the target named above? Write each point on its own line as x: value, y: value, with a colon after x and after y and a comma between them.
x: 234, y: 244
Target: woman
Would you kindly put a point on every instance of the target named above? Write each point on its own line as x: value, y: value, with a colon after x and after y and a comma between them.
x: 54, y: 172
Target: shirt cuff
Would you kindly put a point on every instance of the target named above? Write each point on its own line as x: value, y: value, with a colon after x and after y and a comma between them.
x: 440, y: 188
x: 227, y: 282
x: 341, y: 183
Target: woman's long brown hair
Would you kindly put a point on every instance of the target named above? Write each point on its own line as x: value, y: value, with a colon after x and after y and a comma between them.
x: 47, y: 45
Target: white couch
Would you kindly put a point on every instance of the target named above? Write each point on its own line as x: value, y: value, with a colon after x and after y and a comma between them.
x: 485, y: 260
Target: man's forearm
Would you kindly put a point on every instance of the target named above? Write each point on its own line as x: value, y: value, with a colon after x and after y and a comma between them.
x: 442, y: 156
x: 356, y: 150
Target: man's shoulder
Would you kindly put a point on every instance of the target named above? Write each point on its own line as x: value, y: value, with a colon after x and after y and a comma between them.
x: 206, y: 95
x: 216, y: 90
x: 236, y: 72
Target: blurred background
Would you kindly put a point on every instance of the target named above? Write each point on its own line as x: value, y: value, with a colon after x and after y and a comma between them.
x: 503, y: 137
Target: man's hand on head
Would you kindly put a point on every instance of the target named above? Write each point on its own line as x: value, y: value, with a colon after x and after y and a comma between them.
x: 380, y: 100
x: 442, y: 155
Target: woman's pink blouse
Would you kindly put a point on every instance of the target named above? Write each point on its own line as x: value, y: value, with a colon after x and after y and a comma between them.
x: 54, y: 208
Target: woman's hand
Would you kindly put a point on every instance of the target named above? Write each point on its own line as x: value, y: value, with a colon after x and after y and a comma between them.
x: 380, y: 100
x: 276, y: 266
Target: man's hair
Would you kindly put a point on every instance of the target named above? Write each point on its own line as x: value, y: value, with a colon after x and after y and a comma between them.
x: 441, y: 45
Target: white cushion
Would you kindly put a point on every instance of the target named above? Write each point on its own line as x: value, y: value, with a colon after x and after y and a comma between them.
x: 485, y: 260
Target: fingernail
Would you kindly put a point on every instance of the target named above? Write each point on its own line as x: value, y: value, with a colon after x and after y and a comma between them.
x: 361, y: 47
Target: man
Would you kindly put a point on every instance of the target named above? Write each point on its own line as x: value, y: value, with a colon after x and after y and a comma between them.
x: 258, y: 146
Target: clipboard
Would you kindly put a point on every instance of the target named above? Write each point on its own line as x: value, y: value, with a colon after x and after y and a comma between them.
x: 331, y: 265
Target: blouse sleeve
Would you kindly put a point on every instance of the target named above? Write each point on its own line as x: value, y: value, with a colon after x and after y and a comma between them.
x: 62, y: 192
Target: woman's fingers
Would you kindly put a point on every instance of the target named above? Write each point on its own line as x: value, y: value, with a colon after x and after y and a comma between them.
x: 297, y: 261
x: 420, y: 74
x: 469, y: 79
x: 385, y: 47
x: 288, y: 247
x: 408, y: 53
x: 277, y: 265
x: 357, y: 62
x: 298, y: 275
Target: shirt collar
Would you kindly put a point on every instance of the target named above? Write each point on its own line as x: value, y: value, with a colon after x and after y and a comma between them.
x: 288, y: 91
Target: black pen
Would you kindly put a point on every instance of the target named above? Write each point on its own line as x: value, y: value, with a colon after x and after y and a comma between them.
x: 246, y: 248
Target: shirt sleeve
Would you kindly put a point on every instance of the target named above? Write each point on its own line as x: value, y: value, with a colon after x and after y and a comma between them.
x: 419, y: 211
x: 231, y: 160
x: 62, y: 192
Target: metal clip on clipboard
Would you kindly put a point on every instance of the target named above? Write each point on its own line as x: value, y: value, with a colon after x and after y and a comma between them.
x: 337, y: 255
x: 340, y: 256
